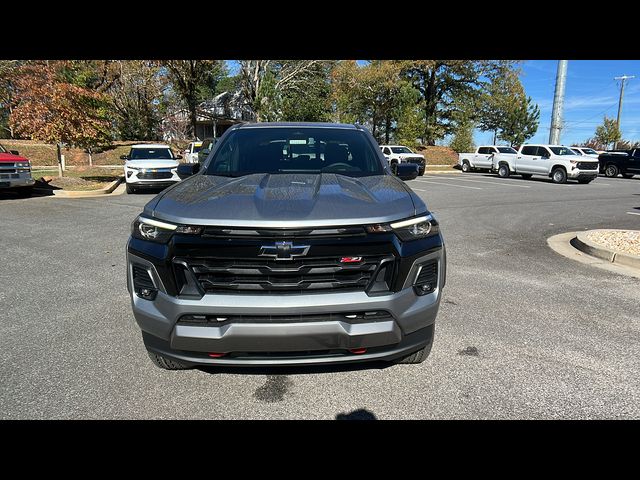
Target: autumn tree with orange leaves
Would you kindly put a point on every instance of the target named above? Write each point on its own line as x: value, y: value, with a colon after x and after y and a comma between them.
x: 60, y: 102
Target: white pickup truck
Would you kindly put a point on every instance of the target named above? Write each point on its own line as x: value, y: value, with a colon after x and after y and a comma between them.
x: 484, y: 158
x: 555, y: 161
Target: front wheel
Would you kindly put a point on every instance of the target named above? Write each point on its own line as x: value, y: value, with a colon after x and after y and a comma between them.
x: 166, y: 363
x: 627, y: 175
x: 526, y: 176
x: 611, y: 171
x: 503, y: 171
x: 422, y: 354
x: 466, y: 168
x: 559, y: 175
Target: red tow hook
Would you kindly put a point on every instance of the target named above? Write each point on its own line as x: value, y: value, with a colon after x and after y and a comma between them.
x: 216, y: 355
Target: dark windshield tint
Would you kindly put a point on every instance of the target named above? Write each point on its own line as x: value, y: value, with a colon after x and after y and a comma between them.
x: 576, y: 151
x: 401, y: 150
x: 150, y: 154
x: 506, y: 150
x: 589, y: 151
x: 562, y: 151
x: 295, y: 150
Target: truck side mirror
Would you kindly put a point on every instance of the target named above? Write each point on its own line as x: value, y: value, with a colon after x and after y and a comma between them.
x: 187, y: 169
x: 407, y: 171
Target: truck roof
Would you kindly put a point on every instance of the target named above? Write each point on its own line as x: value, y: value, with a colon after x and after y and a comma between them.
x: 150, y: 145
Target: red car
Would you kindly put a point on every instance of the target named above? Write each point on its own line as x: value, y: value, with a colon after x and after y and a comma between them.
x: 15, y: 172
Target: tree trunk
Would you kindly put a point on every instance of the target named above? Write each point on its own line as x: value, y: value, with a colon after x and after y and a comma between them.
x: 192, y: 114
x: 59, y: 149
x: 495, y: 134
x: 387, y: 128
x: 430, y: 106
x: 90, y: 158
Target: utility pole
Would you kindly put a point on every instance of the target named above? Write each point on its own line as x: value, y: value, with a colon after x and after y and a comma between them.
x: 558, y: 100
x: 623, y: 78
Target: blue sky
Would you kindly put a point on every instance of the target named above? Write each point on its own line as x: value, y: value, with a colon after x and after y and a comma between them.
x: 590, y: 93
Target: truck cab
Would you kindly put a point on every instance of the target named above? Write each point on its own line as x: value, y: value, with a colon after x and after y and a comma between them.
x: 484, y: 158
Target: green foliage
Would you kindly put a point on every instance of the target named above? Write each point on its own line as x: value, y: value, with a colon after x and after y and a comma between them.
x: 462, y: 140
x: 520, y: 122
x: 608, y: 133
x: 443, y: 84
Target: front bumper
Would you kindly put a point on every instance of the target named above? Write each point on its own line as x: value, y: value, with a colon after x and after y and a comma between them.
x: 16, y: 182
x: 577, y: 174
x: 408, y: 328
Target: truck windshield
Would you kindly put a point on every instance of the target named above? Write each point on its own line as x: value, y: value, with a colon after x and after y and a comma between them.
x: 506, y: 150
x: 150, y: 154
x: 562, y: 151
x: 589, y: 151
x: 400, y: 150
x: 280, y: 150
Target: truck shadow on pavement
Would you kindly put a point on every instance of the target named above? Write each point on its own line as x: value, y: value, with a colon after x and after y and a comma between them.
x: 360, y: 414
x: 295, y: 370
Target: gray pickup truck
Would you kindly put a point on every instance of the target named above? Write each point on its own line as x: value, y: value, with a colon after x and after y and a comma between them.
x: 293, y: 243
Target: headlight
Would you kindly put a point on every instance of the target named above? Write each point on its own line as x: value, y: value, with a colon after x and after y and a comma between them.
x: 22, y: 165
x: 160, y: 232
x: 411, y: 229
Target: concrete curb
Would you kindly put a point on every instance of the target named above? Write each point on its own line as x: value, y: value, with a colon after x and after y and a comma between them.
x: 82, y: 193
x: 562, y: 244
x: 582, y: 243
x: 456, y: 172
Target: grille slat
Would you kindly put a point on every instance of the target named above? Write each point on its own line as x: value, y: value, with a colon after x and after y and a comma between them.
x: 268, y: 275
x: 587, y: 165
x: 154, y: 175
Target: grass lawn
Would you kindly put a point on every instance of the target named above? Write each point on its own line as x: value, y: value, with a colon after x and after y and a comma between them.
x: 77, y: 178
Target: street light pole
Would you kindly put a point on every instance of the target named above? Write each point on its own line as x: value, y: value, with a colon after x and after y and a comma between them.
x: 558, y: 100
x: 623, y: 78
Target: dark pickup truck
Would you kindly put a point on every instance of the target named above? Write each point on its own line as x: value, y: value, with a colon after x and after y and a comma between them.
x: 625, y: 162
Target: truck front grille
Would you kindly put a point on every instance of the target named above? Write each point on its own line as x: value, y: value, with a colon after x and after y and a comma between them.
x: 417, y: 161
x: 154, y: 175
x: 259, y: 275
x: 587, y: 165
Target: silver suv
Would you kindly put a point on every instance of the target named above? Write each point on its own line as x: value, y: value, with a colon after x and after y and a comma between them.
x: 292, y: 244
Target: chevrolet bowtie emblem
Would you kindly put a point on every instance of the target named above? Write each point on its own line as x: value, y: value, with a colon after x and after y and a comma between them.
x: 284, y: 250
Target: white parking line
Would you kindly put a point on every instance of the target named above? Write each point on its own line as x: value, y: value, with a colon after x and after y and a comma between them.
x: 633, y: 213
x: 418, y: 189
x: 450, y: 185
x: 490, y: 183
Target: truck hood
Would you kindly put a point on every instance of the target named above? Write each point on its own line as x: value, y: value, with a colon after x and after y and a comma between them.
x: 286, y: 201
x: 10, y: 157
x: 151, y: 163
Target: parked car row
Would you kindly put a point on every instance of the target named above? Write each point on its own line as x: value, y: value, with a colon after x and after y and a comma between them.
x: 558, y: 162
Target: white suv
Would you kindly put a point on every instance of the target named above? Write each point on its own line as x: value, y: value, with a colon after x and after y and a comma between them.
x: 150, y: 166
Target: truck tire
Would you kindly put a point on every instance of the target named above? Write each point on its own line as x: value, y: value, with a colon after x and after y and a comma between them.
x: 627, y: 175
x: 611, y: 171
x: 166, y: 363
x: 422, y: 354
x: 559, y: 175
x: 466, y: 168
x: 131, y: 188
x: 503, y: 170
x: 394, y: 168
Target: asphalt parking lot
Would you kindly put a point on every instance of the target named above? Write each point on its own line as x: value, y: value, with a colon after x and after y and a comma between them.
x: 522, y: 333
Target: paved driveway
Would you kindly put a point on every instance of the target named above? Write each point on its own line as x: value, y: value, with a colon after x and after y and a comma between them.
x: 522, y: 331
